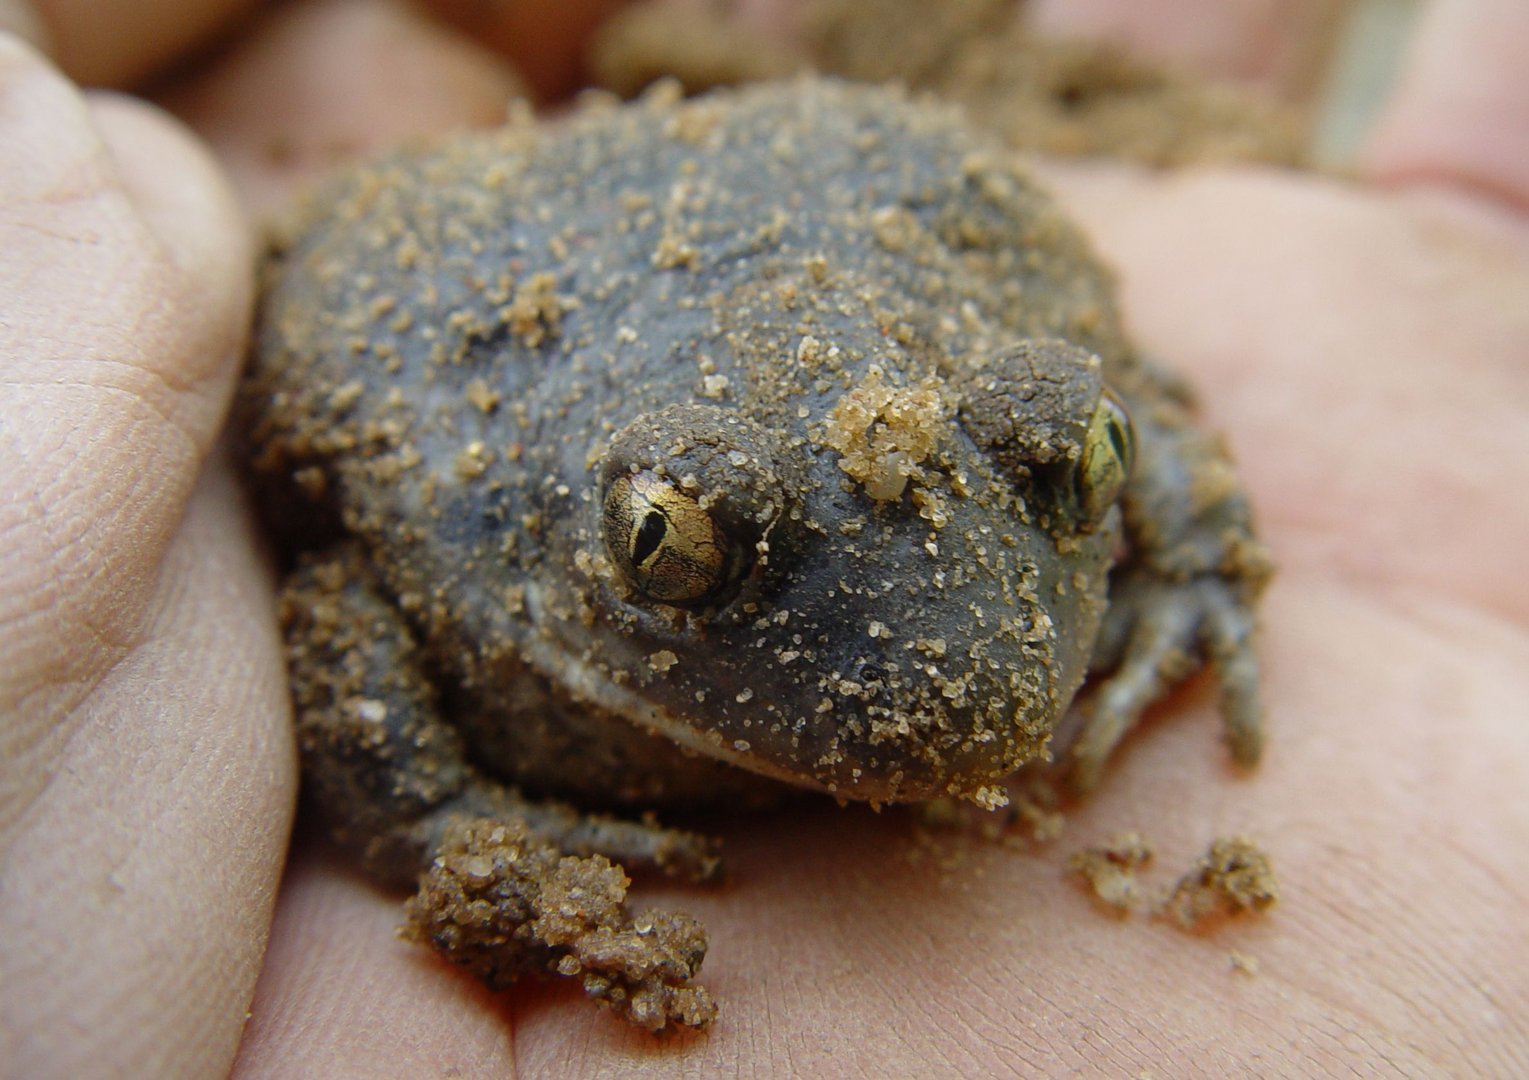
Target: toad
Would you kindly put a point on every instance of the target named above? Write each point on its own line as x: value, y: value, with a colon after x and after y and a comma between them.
x: 683, y: 451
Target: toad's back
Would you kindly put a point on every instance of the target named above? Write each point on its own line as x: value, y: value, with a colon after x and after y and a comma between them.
x: 587, y: 275
x: 713, y: 425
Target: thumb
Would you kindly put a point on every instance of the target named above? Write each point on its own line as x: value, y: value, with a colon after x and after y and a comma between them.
x: 146, y: 772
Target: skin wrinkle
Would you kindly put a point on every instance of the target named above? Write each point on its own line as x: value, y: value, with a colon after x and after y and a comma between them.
x: 901, y: 997
x: 1139, y: 1039
x: 988, y: 1009
x: 778, y: 1047
x: 56, y: 670
x: 337, y: 915
x: 160, y: 293
x: 164, y: 312
x: 971, y: 1040
x: 1343, y: 1036
x: 86, y: 180
x: 1441, y: 621
x: 192, y: 583
x: 1060, y: 1020
x: 1112, y: 1049
x: 70, y: 694
x: 1464, y: 225
x: 162, y: 388
x: 61, y: 540
x: 157, y: 293
x: 1501, y: 196
x: 74, y: 567
x: 42, y: 230
x: 166, y: 419
x: 1345, y: 925
x: 191, y: 797
x: 1434, y: 969
x: 96, y: 184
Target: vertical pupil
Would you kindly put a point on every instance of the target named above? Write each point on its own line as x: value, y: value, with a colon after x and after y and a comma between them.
x: 650, y: 534
x: 1117, y: 439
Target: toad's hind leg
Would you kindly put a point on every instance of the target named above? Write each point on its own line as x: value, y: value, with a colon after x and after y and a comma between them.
x: 1186, y: 593
x: 387, y: 772
x: 507, y: 885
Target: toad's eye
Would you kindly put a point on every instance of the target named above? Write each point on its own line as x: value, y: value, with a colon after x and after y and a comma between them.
x: 665, y: 543
x: 1109, y: 449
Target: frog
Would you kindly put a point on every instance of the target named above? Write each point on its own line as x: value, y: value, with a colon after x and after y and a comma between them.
x: 687, y: 453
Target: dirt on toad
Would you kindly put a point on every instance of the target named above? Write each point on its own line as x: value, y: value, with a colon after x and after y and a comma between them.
x: 503, y: 904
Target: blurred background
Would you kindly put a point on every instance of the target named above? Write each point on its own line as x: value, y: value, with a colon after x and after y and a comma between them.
x: 1367, y: 55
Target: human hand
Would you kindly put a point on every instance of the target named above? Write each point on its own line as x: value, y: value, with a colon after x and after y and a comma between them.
x: 1359, y: 346
x: 1352, y: 340
x: 1393, y: 651
x: 147, y: 774
x: 146, y: 768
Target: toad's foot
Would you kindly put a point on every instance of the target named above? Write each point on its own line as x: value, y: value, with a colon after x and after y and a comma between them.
x: 1156, y: 634
x: 502, y: 904
x: 639, y: 845
x: 510, y: 885
x: 1186, y: 592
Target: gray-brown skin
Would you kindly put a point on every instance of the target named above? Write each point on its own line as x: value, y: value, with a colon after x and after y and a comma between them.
x: 685, y: 448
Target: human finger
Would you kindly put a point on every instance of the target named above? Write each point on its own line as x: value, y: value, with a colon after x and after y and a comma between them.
x: 316, y: 85
x: 143, y: 790
x: 120, y: 42
x: 1460, y: 114
x: 546, y: 42
x: 20, y: 18
x: 1280, y: 48
x: 126, y: 285
x: 138, y: 888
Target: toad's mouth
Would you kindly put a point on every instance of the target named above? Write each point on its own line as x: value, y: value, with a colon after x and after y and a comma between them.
x: 900, y: 750
x: 565, y: 654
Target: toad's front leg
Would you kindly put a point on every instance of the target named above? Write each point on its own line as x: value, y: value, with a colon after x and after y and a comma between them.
x: 501, y: 872
x: 1186, y: 594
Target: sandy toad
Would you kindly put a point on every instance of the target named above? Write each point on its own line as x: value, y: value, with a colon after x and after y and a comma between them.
x: 679, y: 450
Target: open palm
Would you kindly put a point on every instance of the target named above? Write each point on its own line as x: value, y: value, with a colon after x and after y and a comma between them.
x: 1364, y: 347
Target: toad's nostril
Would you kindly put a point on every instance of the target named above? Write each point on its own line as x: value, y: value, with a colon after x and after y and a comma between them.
x: 870, y: 677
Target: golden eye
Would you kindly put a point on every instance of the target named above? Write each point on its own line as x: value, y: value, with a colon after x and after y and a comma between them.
x: 1109, y: 450
x: 663, y: 542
